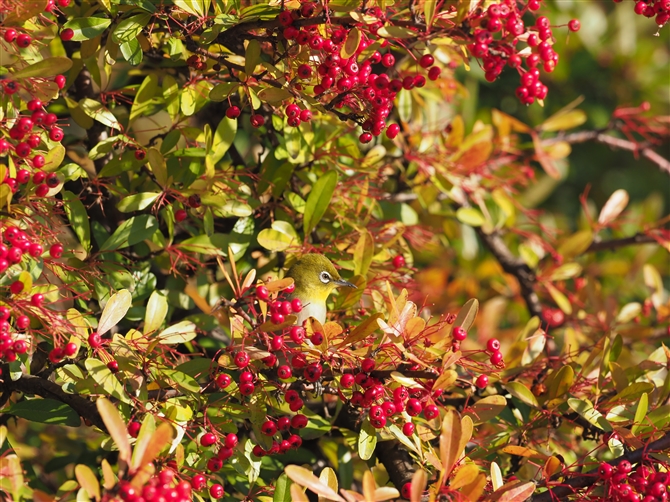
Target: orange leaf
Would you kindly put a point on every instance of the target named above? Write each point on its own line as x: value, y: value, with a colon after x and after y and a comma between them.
x: 475, y: 489
x: 450, y: 440
x: 159, y: 439
x: 116, y: 427
x: 86, y: 478
x: 518, y: 493
x: 464, y: 476
x: 419, y: 480
x: 522, y: 451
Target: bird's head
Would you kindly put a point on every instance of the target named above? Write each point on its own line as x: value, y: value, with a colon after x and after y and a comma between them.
x: 315, y: 278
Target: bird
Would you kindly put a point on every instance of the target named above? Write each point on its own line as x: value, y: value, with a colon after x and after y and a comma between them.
x: 315, y: 278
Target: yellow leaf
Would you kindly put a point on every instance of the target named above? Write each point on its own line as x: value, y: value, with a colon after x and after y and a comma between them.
x: 115, y: 426
x: 157, y: 308
x: 523, y: 451
x: 329, y: 478
x: 304, y: 477
x: 369, y: 486
x: 87, y: 480
x: 159, y: 439
x: 465, y: 475
x: 419, y: 480
x: 562, y: 121
x: 116, y: 309
x: 475, y: 489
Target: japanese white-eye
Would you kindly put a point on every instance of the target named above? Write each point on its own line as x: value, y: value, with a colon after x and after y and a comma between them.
x: 315, y: 278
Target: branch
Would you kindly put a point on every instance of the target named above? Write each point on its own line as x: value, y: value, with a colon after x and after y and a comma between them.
x: 613, y: 244
x: 622, y: 144
x: 29, y: 384
x: 570, y: 486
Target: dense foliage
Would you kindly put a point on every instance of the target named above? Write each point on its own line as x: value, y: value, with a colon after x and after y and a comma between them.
x: 163, y: 163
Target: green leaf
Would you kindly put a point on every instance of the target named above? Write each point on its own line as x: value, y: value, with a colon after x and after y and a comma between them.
x: 523, y: 393
x: 97, y: 111
x: 181, y: 380
x: 86, y: 28
x: 252, y: 56
x: 560, y: 299
x: 131, y: 232
x: 223, y: 138
x: 585, y: 409
x: 109, y: 384
x: 396, y: 32
x: 566, y: 271
x: 576, y: 244
x: 181, y: 332
x: 46, y: 411
x: 196, y: 7
x: 157, y: 308
x: 564, y: 120
x: 470, y: 216
x: 273, y: 95
x: 273, y: 239
x: 220, y: 92
x: 132, y: 51
x: 76, y: 213
x: 640, y: 413
x: 363, y: 253
x: 128, y: 29
x: 319, y: 199
x: 143, y: 99
x: 137, y: 202
x: 367, y: 440
x: 49, y: 67
x: 467, y: 315
x: 282, y: 491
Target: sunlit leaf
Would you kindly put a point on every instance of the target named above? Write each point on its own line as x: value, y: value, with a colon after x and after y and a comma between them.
x: 115, y: 426
x: 115, y: 309
x: 305, y: 478
x: 106, y: 380
x: 157, y: 308
x: 521, y: 392
x: 49, y: 67
x: 351, y: 43
x: 182, y: 332
x: 87, y: 480
x: 367, y: 440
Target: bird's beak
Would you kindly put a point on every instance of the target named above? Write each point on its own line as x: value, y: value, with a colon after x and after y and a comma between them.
x: 342, y: 282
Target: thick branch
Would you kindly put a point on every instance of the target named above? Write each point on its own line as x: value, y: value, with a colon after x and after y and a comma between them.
x: 29, y: 384
x: 516, y: 267
x: 572, y: 485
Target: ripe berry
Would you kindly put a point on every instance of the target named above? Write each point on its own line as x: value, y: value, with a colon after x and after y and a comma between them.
x: 60, y: 81
x: 10, y: 35
x: 134, y: 428
x: 23, y: 40
x: 297, y: 334
x: 492, y: 345
x: 23, y: 150
x: 56, y: 355
x: 367, y: 365
x: 366, y: 137
x: 56, y: 134
x: 277, y: 318
x: 347, y: 380
x: 434, y: 73
x: 140, y: 154
x: 574, y: 25
x: 207, y: 439
x: 406, y: 491
x: 198, y: 482
x: 313, y: 372
x: 50, y: 119
x: 304, y: 71
x: 180, y: 215
x: 299, y: 421
x: 413, y: 407
x: 431, y: 411
x: 262, y: 292
x: 388, y: 59
x: 223, y: 380
x: 257, y: 120
x: 70, y: 349
x: 242, y: 359
x: 284, y: 372
x: 231, y: 441
x: 496, y: 358
x: 269, y: 428
x: 398, y: 261
x: 482, y: 381
x: 22, y: 322
x: 233, y: 112
x: 16, y: 287
x: 37, y: 299
x: 214, y: 464
x: 305, y: 115
x: 113, y: 366
x: 624, y: 467
x: 20, y: 347
x: 426, y: 61
x: 67, y: 34
x: 95, y: 340
x: 408, y: 429
x: 458, y: 333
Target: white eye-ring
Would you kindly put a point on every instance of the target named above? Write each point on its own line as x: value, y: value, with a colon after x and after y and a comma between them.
x: 325, y: 277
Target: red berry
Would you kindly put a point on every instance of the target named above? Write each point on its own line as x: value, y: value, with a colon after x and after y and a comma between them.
x: 95, y: 340
x: 134, y: 428
x: 392, y: 131
x: 198, y: 482
x: 482, y: 381
x: 113, y: 366
x: 242, y: 359
x: 67, y: 34
x: 297, y: 334
x: 257, y: 120
x: 406, y: 491
x: 299, y: 421
x: 223, y: 380
x: 269, y: 428
x: 262, y: 292
x: 207, y: 439
x: 230, y: 441
x: 23, y: 40
x: 56, y: 250
x: 16, y: 287
x: 22, y: 322
x: 398, y: 261
x: 20, y: 347
x: 37, y: 299
x: 492, y: 345
x: 426, y: 61
x: 56, y: 134
x: 180, y: 215
x: 233, y: 112
x: 458, y: 333
x: 60, y: 81
x: 408, y: 429
x: 305, y: 115
x: 388, y: 59
x: 347, y: 380
x: 367, y: 365
x: 214, y: 464
x: 605, y: 471
x: 413, y: 407
x: 10, y: 35
x: 574, y: 25
x: 434, y: 73
x: 56, y: 355
x: 284, y: 372
x: 140, y: 154
x: 496, y: 358
x: 431, y: 411
x: 366, y: 137
x: 71, y: 349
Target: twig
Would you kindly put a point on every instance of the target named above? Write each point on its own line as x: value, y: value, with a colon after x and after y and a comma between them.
x: 606, y: 139
x: 617, y: 243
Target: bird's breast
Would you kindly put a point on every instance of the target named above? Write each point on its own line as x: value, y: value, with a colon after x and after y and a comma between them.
x: 313, y: 309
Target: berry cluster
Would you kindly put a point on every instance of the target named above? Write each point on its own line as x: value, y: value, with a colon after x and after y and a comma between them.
x: 501, y: 27
x: 28, y: 142
x: 660, y: 9
x: 645, y: 483
x: 279, y: 309
x: 163, y: 486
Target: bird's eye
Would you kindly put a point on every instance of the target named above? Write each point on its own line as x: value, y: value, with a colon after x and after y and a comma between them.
x: 325, y: 277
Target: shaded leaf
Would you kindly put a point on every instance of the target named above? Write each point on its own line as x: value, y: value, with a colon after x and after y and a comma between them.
x: 564, y: 120
x: 46, y: 411
x: 318, y: 200
x: 76, y: 213
x: 450, y: 440
x: 130, y: 232
x: 466, y: 316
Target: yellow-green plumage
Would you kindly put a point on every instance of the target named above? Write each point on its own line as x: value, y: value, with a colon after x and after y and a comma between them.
x: 315, y: 278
